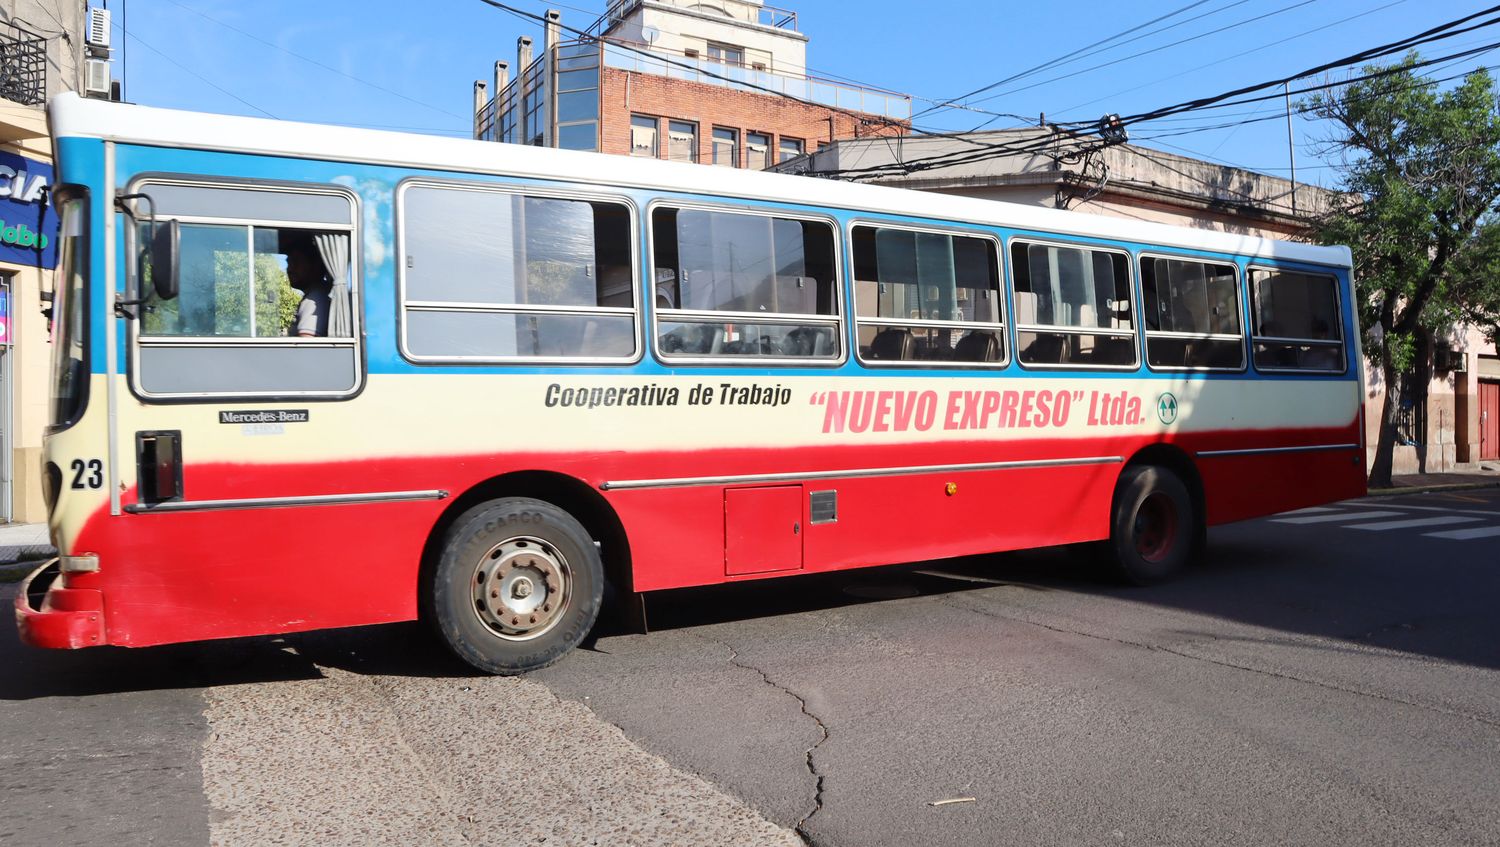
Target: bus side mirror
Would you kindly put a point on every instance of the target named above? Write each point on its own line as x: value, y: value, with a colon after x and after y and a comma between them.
x: 163, y: 257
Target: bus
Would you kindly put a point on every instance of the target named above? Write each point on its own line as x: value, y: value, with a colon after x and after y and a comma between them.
x: 311, y: 376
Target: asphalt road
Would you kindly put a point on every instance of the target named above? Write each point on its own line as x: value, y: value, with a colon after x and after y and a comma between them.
x: 1330, y: 677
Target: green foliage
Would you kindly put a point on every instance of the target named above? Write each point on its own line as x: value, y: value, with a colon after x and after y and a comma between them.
x: 220, y: 306
x: 1422, y: 176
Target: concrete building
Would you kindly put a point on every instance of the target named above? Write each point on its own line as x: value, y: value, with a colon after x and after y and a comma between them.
x: 722, y: 82
x: 1452, y: 419
x: 42, y: 47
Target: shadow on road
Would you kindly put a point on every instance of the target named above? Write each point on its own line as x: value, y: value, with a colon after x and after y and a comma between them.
x: 1399, y: 594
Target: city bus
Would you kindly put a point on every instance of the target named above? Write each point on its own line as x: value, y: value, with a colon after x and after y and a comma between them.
x: 311, y: 376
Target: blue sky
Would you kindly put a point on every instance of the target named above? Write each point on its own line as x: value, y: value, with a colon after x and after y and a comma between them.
x: 412, y: 66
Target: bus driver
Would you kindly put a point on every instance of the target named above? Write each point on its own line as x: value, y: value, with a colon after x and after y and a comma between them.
x: 305, y: 272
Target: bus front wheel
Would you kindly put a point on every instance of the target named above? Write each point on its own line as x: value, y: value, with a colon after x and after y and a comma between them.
x: 519, y: 584
x: 1152, y: 526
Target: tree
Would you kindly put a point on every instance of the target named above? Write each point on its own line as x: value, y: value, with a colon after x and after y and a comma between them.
x: 1421, y: 176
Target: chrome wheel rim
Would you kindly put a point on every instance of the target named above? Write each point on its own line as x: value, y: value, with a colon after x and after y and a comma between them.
x: 520, y: 588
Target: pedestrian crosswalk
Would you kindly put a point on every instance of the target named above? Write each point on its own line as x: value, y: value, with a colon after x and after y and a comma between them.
x: 1450, y: 524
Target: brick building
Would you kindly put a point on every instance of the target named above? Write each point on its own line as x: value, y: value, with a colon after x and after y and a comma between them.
x: 721, y: 83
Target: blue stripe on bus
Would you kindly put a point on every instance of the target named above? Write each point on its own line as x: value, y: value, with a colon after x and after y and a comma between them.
x: 375, y: 185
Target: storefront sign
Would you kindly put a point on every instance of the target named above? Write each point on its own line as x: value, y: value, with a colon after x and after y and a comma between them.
x: 4, y: 316
x: 28, y: 224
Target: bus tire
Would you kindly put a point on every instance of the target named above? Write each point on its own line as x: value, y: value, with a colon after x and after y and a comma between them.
x: 1152, y: 526
x: 519, y: 583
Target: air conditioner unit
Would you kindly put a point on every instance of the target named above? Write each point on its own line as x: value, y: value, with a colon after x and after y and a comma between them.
x: 98, y: 35
x: 96, y: 78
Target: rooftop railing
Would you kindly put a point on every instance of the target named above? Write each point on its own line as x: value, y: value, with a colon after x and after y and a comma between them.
x: 23, y: 66
x: 756, y: 13
x: 641, y: 59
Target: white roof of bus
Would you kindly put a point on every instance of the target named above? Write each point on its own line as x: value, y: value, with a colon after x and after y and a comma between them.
x: 72, y: 116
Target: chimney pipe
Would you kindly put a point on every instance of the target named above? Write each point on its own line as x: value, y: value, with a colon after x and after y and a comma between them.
x: 479, y: 95
x: 552, y: 32
x: 502, y: 76
x: 523, y: 54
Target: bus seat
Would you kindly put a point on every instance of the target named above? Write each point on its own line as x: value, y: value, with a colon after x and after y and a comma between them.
x: 1047, y: 349
x: 797, y: 295
x: 1111, y: 350
x: 892, y: 344
x: 699, y: 293
x: 977, y: 347
x: 1025, y: 307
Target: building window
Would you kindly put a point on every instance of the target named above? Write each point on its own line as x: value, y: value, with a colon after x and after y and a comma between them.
x: 726, y: 53
x: 682, y: 141
x: 1072, y: 306
x: 643, y: 140
x: 726, y: 147
x: 790, y: 148
x: 577, y: 80
x: 744, y: 285
x: 1192, y: 315
x: 927, y: 296
x: 757, y: 150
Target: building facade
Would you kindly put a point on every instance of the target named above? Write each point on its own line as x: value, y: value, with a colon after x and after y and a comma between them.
x: 1450, y: 410
x: 41, y: 54
x: 722, y: 83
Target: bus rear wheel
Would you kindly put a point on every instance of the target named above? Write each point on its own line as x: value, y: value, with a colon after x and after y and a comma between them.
x: 1152, y: 527
x: 519, y: 583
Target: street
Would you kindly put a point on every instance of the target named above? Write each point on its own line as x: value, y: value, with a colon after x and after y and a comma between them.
x: 1326, y: 677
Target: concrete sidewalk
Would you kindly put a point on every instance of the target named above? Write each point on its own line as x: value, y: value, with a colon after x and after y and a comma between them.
x: 21, y: 545
x: 1478, y: 475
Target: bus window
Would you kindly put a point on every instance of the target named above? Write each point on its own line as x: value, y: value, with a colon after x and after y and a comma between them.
x: 1073, y: 306
x: 493, y: 275
x: 266, y: 302
x: 1296, y: 321
x: 1192, y: 313
x: 927, y: 297
x: 731, y: 284
x: 245, y: 281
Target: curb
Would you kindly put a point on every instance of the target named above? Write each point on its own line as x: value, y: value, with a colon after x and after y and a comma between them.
x: 1423, y: 489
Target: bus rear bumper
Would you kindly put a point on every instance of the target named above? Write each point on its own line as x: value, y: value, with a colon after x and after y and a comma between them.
x: 48, y: 614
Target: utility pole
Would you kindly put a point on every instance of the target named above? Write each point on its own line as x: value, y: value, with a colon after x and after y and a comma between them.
x: 1291, y: 149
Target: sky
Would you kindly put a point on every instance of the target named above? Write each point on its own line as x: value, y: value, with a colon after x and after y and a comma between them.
x: 411, y: 66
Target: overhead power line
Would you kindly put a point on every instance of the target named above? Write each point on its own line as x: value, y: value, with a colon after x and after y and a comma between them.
x: 1268, y: 45
x: 1442, y: 31
x: 1149, y: 51
x: 1066, y: 57
x: 1083, y: 131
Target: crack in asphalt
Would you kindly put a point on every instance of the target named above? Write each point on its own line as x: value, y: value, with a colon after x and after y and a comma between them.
x: 1224, y: 663
x: 812, y: 768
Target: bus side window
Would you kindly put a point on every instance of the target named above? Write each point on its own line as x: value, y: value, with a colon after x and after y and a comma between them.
x: 490, y: 274
x: 730, y: 284
x: 267, y: 301
x: 1192, y: 314
x: 927, y: 296
x: 1073, y: 306
x: 1296, y: 321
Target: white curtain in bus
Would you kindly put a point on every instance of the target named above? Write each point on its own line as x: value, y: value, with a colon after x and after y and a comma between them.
x: 334, y: 248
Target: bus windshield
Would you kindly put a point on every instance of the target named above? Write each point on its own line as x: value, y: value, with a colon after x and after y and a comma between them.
x: 69, y: 371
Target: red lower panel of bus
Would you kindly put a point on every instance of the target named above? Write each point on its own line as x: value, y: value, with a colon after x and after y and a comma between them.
x: 185, y: 576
